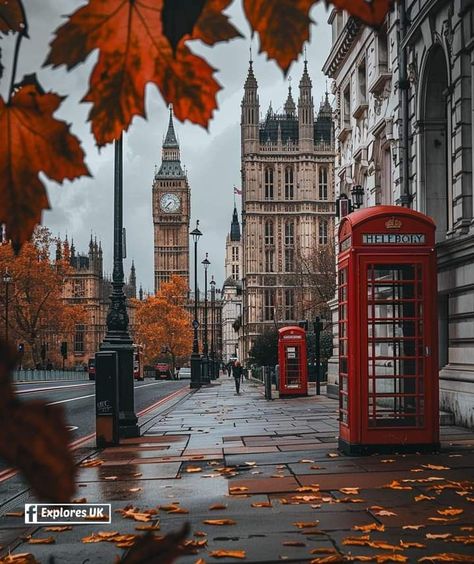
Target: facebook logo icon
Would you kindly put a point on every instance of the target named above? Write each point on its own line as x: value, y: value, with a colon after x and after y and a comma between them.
x: 31, y: 513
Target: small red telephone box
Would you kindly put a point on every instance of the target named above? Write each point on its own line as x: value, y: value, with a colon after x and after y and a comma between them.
x: 293, y: 361
x: 388, y: 361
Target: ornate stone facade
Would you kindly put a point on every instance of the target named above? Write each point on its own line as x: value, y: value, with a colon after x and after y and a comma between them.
x: 87, y: 286
x: 171, y: 212
x: 412, y: 145
x: 287, y: 204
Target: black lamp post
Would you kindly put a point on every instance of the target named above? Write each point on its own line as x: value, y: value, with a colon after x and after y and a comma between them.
x: 7, y: 281
x: 357, y: 193
x: 117, y: 337
x: 195, y: 357
x: 213, y: 325
x: 205, y: 348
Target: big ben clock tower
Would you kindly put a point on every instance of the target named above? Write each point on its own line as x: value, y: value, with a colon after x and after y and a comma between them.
x: 171, y: 213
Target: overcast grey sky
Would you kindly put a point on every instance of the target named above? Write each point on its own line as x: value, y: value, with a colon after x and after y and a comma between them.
x: 212, y: 158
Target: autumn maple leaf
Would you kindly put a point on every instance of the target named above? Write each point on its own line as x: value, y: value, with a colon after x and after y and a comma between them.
x: 12, y: 16
x: 283, y: 27
x: 371, y: 12
x: 133, y: 51
x: 32, y: 141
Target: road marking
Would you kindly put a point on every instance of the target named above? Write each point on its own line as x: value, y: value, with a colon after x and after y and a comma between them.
x: 31, y: 390
x: 10, y: 472
x: 70, y: 399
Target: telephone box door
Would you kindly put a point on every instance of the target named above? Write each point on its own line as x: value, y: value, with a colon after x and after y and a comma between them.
x: 398, y: 360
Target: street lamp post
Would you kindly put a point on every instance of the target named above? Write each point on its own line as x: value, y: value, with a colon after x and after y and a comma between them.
x: 213, y: 324
x: 117, y: 337
x: 195, y: 357
x: 205, y: 348
x: 7, y: 280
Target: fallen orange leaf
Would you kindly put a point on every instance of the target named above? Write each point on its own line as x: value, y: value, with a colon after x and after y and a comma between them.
x: 450, y: 511
x: 438, y: 536
x: 42, y: 540
x: 349, y: 491
x: 262, y: 504
x: 395, y: 485
x: 369, y: 527
x: 293, y: 543
x: 435, y: 467
x: 147, y: 528
x: 385, y: 513
x: 219, y: 522
x: 413, y: 527
x: 237, y: 489
x: 193, y: 469
x: 404, y: 544
x: 58, y: 529
x: 239, y: 554
x: 306, y: 524
x: 217, y: 507
x: 423, y: 497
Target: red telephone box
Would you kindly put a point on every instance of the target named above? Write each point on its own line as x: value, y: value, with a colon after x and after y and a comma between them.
x: 293, y: 362
x: 388, y: 361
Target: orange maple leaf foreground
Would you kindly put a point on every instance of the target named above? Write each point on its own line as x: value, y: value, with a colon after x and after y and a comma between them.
x: 32, y: 141
x: 134, y: 51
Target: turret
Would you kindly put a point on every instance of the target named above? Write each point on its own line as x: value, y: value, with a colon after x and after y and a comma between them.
x: 290, y: 106
x: 132, y: 281
x: 59, y: 254
x: 235, y: 226
x: 250, y: 112
x: 140, y: 293
x: 323, y: 130
x: 306, y: 112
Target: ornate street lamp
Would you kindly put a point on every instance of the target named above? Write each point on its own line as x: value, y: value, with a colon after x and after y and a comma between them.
x: 195, y: 357
x: 117, y: 337
x: 205, y: 349
x: 213, y: 328
x: 7, y: 281
x: 357, y: 193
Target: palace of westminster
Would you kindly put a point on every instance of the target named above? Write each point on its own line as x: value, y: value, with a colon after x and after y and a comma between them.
x: 400, y: 130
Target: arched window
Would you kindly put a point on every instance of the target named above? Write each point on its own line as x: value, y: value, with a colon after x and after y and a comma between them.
x: 289, y: 305
x: 269, y: 254
x: 269, y: 183
x: 323, y: 183
x: 289, y: 233
x: 268, y: 305
x: 323, y: 232
x: 289, y: 183
x: 289, y: 246
x: 269, y: 240
x: 436, y: 143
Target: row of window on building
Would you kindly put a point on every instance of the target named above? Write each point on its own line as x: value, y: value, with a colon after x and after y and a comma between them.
x: 273, y: 313
x: 269, y: 183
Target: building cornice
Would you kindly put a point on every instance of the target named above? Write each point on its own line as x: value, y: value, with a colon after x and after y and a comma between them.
x: 342, y: 47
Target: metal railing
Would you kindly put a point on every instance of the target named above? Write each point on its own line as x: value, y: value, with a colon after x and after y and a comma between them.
x: 43, y: 375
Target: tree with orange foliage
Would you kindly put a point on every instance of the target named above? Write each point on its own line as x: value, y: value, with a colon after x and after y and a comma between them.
x: 37, y: 311
x: 164, y: 324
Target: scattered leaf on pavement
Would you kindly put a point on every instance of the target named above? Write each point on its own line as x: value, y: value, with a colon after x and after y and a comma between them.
x: 306, y: 524
x: 239, y: 554
x: 237, y: 489
x: 58, y: 529
x: 262, y: 504
x: 369, y: 527
x: 217, y: 507
x: 349, y: 491
x: 42, y: 540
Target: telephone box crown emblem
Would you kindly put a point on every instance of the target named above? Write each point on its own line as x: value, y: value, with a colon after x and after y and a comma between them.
x: 393, y: 223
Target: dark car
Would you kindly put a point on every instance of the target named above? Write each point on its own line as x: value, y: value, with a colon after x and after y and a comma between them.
x: 162, y: 371
x: 91, y: 368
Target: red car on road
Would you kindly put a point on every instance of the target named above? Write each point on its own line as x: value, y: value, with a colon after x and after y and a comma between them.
x: 163, y: 371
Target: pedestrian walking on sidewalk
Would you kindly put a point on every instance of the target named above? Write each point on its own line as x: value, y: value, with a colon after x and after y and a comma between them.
x: 237, y: 374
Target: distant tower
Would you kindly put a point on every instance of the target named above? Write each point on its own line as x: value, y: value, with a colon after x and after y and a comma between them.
x: 233, y: 249
x: 132, y: 281
x: 306, y: 112
x: 250, y: 113
x: 171, y: 213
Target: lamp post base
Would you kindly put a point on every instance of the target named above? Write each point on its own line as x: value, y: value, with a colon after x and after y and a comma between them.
x: 128, y: 421
x: 195, y: 371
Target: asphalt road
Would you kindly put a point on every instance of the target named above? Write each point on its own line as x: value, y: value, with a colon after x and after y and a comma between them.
x: 77, y: 398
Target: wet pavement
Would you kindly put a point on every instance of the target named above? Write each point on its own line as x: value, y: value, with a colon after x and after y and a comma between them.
x: 272, y: 469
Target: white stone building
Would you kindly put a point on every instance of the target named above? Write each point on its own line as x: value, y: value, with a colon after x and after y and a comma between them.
x: 410, y: 143
x: 232, y: 292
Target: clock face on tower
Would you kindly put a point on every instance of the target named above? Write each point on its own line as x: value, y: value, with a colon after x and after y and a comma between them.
x: 170, y: 203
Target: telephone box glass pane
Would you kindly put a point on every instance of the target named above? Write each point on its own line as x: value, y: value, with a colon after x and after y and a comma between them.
x: 343, y: 348
x: 293, y: 367
x: 395, y: 345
